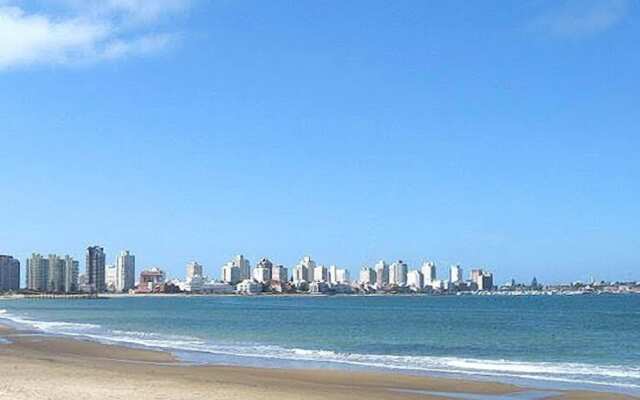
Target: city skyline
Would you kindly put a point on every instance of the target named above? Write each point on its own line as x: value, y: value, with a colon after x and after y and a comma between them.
x: 124, y: 272
x: 472, y: 133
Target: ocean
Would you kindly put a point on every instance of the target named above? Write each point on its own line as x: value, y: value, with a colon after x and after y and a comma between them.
x: 589, y: 342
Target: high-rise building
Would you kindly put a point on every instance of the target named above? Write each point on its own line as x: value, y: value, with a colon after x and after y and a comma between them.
x: 55, y: 281
x: 244, y: 266
x: 125, y: 271
x: 332, y: 274
x: 367, y: 276
x: 279, y: 273
x: 193, y: 269
x: 303, y: 271
x: 428, y: 272
x: 71, y: 269
x: 110, y: 272
x: 9, y: 273
x: 382, y: 273
x: 236, y: 270
x: 398, y: 273
x: 482, y: 279
x: 95, y: 265
x: 455, y: 274
x: 415, y: 279
x: 342, y: 275
x: 475, y: 275
x: 262, y: 271
x: 231, y: 273
x: 37, y: 273
x: 320, y: 274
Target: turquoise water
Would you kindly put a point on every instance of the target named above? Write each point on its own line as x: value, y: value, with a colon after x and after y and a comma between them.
x: 555, y: 341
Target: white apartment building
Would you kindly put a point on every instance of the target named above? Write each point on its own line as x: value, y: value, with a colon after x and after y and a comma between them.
x: 382, y: 273
x: 428, y: 272
x: 455, y: 274
x: 231, y: 273
x: 398, y: 273
x: 110, y: 277
x: 249, y: 286
x: 125, y: 271
x: 194, y: 269
x: 303, y: 271
x: 367, y: 276
x: 338, y: 275
x: 320, y: 274
x: 71, y: 270
x: 415, y: 279
x: 243, y: 265
x: 342, y: 276
x: 279, y: 273
x: 262, y: 272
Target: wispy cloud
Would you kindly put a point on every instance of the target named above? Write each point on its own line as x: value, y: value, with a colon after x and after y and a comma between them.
x: 80, y: 31
x: 574, y: 19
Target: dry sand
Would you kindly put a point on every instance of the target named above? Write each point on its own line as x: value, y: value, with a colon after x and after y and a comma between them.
x: 35, y: 367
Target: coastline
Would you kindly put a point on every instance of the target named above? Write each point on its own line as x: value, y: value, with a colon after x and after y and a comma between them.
x: 35, y: 366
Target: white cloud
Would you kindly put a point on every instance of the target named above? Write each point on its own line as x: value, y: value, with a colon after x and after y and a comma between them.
x: 83, y: 31
x: 582, y: 18
x: 142, y: 45
x: 141, y: 11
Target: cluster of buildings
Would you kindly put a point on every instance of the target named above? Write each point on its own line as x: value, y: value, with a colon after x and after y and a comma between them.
x: 309, y: 277
x: 60, y: 274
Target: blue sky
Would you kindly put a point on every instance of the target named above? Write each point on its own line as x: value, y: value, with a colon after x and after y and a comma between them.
x: 497, y: 134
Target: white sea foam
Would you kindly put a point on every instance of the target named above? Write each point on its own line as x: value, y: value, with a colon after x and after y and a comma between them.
x: 568, y: 373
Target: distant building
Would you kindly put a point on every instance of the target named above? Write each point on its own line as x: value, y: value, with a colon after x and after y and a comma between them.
x: 486, y: 281
x: 231, y: 273
x: 318, y: 287
x: 367, y: 276
x: 482, y: 279
x: 37, y: 273
x: 194, y: 269
x: 338, y: 275
x: 303, y: 271
x: 236, y: 270
x: 218, y: 288
x: 249, y: 286
x: 438, y: 284
x: 52, y: 274
x: 244, y: 265
x: 279, y: 274
x: 9, y: 273
x: 382, y: 273
x: 55, y: 281
x: 428, y: 272
x: 342, y: 276
x: 455, y: 274
x: 398, y: 273
x: 95, y: 265
x: 125, y: 271
x: 110, y: 277
x: 150, y: 278
x: 262, y: 271
x: 71, y: 270
x: 415, y: 279
x: 320, y: 274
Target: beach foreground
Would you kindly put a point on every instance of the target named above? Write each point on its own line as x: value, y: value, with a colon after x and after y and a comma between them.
x: 40, y: 367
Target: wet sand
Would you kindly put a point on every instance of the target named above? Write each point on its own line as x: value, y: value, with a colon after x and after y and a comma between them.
x: 38, y: 367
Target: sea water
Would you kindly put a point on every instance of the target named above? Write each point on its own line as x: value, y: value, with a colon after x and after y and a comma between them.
x: 546, y: 341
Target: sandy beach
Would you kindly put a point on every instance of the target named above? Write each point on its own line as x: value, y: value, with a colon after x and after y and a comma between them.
x: 33, y: 366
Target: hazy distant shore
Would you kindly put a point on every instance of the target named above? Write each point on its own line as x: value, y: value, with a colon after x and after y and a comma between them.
x: 41, y: 367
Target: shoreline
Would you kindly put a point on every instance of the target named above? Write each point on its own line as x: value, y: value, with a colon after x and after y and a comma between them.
x: 91, y: 369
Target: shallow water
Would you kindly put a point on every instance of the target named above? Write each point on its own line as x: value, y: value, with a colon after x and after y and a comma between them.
x: 562, y: 342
